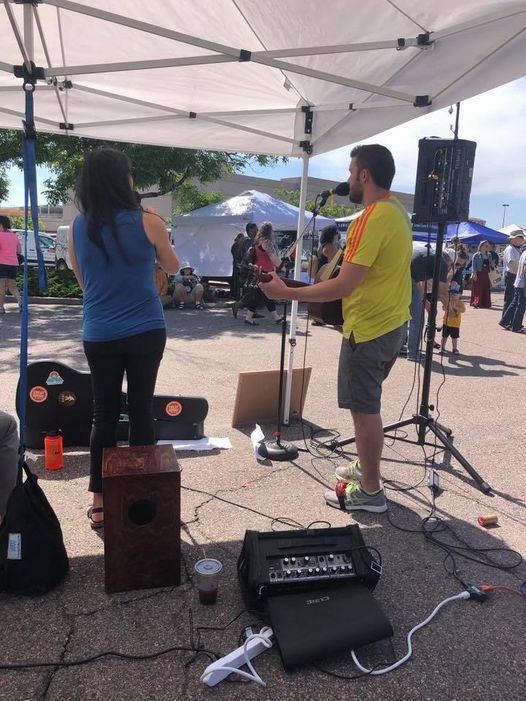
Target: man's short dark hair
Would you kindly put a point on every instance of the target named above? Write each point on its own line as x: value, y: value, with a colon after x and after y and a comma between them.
x: 251, y: 225
x: 5, y: 222
x: 379, y: 162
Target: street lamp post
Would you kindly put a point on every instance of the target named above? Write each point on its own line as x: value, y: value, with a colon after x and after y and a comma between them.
x: 504, y: 213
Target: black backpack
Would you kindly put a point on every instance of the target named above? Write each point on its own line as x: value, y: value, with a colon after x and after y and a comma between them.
x: 33, y: 558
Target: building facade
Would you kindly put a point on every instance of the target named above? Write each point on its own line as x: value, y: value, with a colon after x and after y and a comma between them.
x: 229, y: 186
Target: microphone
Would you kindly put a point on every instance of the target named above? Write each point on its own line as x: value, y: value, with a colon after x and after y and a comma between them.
x: 342, y: 190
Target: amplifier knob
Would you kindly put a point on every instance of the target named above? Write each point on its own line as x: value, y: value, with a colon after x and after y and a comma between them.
x: 306, y: 558
x: 310, y: 570
x: 299, y: 573
x: 343, y: 568
x: 317, y: 570
x: 331, y: 557
x: 334, y: 569
x: 293, y: 559
x: 286, y: 560
x: 324, y: 570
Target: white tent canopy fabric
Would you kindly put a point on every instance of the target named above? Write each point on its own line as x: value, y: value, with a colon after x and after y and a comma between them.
x: 204, y: 237
x: 294, y: 78
x: 512, y: 228
x: 268, y: 77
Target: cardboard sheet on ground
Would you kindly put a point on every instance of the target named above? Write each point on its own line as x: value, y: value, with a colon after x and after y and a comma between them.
x: 201, y: 445
x: 258, y: 392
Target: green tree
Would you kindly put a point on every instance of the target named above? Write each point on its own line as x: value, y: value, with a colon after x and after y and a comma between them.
x: 188, y: 197
x: 154, y: 166
x: 4, y: 184
x: 328, y: 210
x: 18, y: 222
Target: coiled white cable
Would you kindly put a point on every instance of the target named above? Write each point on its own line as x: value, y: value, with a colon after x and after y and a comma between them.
x: 462, y: 595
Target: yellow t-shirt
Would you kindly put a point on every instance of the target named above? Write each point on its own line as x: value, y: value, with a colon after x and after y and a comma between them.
x: 380, y: 239
x: 453, y: 319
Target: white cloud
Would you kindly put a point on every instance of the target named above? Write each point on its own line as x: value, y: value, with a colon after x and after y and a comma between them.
x: 495, y: 120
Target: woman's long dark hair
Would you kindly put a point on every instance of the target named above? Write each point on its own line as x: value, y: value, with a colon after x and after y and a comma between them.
x: 103, y: 189
x: 327, y: 234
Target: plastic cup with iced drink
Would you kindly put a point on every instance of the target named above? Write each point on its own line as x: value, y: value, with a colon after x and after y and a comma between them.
x: 207, y: 572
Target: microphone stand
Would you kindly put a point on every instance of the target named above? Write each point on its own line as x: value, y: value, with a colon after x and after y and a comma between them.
x: 277, y: 449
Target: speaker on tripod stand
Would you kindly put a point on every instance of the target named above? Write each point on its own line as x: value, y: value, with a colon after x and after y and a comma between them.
x: 443, y: 186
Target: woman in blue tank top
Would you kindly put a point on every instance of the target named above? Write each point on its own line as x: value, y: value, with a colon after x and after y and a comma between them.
x: 113, y: 246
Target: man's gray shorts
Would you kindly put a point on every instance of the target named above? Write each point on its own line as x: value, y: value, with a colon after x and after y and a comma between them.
x: 363, y: 367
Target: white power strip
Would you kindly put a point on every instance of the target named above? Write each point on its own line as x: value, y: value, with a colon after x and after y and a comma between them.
x: 220, y: 669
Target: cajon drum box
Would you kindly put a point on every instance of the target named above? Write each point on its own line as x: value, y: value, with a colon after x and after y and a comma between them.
x: 142, y: 512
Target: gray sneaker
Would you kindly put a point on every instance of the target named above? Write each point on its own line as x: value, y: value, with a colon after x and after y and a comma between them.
x: 355, y: 499
x: 350, y: 472
x: 2, y: 310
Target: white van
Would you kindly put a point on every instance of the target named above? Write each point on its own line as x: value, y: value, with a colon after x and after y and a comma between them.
x: 47, y: 244
x: 62, y: 260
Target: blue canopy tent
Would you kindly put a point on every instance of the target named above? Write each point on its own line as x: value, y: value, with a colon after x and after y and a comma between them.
x: 468, y: 232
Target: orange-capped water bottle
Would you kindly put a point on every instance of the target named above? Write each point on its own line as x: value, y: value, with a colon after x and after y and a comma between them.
x: 53, y: 451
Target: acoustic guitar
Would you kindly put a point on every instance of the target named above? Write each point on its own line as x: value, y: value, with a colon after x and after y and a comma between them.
x: 326, y: 312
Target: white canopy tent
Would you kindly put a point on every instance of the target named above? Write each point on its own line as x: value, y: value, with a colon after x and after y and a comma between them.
x: 512, y: 228
x: 260, y: 77
x: 204, y: 237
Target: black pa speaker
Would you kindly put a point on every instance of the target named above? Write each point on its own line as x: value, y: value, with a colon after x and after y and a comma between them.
x: 443, y: 180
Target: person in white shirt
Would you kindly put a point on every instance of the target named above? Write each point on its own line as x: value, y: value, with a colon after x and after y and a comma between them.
x: 510, y: 260
x: 514, y: 314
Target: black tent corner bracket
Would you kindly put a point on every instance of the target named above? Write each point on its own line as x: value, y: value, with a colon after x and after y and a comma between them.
x: 422, y: 101
x: 29, y: 77
x: 309, y: 114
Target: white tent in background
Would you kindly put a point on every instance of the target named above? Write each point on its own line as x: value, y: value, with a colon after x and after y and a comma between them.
x: 288, y: 78
x: 204, y: 237
x: 512, y: 228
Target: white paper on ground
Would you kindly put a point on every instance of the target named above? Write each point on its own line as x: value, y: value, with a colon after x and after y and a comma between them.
x: 201, y: 445
x: 256, y: 437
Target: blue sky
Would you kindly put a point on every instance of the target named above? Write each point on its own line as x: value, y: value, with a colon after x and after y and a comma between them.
x: 495, y: 120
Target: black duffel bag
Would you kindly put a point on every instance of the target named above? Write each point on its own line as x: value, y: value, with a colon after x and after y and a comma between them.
x: 33, y: 558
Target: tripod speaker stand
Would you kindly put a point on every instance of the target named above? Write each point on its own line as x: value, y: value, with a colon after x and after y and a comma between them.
x: 443, y: 184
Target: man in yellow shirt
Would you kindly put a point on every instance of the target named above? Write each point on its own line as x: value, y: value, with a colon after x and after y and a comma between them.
x: 374, y: 284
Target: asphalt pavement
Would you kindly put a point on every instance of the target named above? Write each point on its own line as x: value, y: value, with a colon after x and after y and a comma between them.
x: 470, y: 651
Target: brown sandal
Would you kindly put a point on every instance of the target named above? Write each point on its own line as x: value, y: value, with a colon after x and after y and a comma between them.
x: 95, y: 525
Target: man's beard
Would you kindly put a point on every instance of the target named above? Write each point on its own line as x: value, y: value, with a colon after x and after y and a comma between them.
x: 356, y: 194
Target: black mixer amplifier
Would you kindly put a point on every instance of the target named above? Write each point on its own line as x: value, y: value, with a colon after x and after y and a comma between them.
x: 289, y: 561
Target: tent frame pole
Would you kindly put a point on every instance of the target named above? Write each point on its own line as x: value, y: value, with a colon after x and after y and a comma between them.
x: 297, y: 276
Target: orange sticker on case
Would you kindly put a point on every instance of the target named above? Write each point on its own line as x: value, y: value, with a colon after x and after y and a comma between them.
x: 38, y: 394
x: 173, y: 408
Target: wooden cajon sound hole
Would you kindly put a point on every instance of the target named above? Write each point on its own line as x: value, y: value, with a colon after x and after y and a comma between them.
x: 142, y: 517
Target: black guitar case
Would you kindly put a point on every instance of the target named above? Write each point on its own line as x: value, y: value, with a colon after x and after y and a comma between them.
x: 59, y: 397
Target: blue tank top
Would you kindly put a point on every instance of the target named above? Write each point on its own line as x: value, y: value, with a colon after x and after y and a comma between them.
x: 120, y: 298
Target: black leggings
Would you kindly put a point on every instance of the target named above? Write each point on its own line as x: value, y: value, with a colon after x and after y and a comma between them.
x: 139, y: 356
